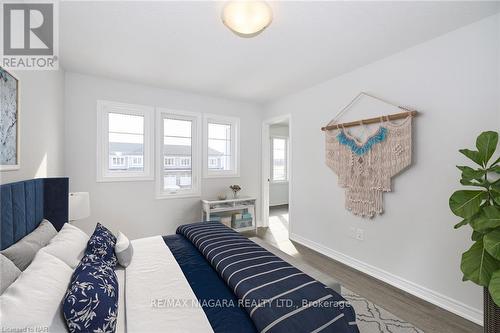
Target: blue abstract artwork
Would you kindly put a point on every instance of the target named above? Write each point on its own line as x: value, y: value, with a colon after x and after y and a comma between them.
x: 9, y: 127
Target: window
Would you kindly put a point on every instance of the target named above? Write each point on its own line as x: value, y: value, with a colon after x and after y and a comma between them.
x: 185, y: 161
x: 117, y: 163
x: 221, y: 139
x: 136, y: 162
x: 124, y: 142
x: 214, y: 162
x: 279, y: 159
x: 178, y: 148
x: 168, y: 161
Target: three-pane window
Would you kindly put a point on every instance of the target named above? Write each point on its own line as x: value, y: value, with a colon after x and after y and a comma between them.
x: 184, y: 147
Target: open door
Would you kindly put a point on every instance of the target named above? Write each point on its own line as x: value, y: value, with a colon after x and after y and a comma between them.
x: 276, y: 173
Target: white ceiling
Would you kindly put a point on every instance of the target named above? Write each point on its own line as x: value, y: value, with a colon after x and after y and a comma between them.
x: 185, y: 46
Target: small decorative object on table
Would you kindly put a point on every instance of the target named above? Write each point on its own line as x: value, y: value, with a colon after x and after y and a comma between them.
x: 222, y: 196
x: 235, y: 188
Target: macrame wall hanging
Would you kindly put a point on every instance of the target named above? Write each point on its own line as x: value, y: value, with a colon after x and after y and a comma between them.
x: 365, y: 168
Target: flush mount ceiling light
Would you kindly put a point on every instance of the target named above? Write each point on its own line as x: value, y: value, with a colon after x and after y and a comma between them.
x: 247, y: 18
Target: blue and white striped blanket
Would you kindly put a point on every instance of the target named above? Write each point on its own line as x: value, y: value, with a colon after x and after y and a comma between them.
x: 277, y: 296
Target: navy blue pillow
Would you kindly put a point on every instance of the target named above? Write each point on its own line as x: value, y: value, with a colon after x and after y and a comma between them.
x: 101, y: 246
x: 91, y: 302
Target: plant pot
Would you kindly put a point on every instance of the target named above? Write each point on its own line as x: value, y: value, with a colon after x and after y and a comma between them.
x: 491, y: 314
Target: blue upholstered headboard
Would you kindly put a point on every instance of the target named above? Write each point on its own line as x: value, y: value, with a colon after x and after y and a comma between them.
x: 24, y: 204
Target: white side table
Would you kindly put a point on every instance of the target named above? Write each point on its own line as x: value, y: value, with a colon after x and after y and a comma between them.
x: 238, y: 205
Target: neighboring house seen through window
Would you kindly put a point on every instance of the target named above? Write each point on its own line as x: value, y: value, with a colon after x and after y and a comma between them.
x: 168, y: 161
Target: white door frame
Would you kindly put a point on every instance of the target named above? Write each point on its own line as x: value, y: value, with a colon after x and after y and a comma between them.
x: 266, y: 167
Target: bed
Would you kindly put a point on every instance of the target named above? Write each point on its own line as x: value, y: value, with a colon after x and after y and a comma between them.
x: 204, y: 278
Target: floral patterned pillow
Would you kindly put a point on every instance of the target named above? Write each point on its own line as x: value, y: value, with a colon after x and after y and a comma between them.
x: 91, y: 301
x: 101, y: 246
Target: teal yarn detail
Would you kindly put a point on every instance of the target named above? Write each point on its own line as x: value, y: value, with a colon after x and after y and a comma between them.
x: 361, y: 150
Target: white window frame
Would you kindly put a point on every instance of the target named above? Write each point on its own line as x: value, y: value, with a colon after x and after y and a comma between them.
x: 103, y: 172
x: 196, y: 142
x: 235, y: 146
x: 286, y: 159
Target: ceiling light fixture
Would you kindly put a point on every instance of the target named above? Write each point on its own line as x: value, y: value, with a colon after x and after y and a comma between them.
x: 247, y: 18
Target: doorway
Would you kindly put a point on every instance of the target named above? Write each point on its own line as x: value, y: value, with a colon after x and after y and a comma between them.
x: 276, y: 173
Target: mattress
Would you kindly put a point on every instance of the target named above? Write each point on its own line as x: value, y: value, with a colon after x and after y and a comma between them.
x: 170, y: 286
x: 121, y: 321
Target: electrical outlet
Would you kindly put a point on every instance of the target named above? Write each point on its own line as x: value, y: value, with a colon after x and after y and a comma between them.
x: 352, y: 232
x: 360, y: 234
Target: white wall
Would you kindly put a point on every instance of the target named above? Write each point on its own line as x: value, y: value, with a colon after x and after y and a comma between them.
x: 278, y: 192
x: 454, y: 82
x: 41, y: 109
x: 131, y: 206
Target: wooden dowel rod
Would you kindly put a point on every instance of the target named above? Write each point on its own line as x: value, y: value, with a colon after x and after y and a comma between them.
x: 374, y: 120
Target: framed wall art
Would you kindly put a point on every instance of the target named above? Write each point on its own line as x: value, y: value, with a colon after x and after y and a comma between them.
x: 9, y: 122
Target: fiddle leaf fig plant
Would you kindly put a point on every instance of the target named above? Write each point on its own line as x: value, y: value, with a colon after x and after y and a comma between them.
x: 479, y: 207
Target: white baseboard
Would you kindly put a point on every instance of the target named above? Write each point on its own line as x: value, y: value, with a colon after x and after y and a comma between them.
x: 445, y: 302
x: 278, y: 203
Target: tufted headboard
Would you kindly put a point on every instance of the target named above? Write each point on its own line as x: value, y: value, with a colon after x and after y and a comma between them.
x: 24, y: 204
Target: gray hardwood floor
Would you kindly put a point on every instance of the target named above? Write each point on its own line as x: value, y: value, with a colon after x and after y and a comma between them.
x: 426, y: 316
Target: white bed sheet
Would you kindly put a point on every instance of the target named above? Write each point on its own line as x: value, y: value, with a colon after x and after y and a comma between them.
x: 152, y: 280
x: 121, y: 320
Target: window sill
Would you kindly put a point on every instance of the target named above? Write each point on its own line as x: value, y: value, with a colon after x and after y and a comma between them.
x: 177, y: 196
x: 123, y: 179
x: 222, y: 175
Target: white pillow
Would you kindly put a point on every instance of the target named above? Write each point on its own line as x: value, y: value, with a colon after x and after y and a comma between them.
x: 123, y: 250
x: 8, y: 272
x: 68, y: 245
x: 34, y: 299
